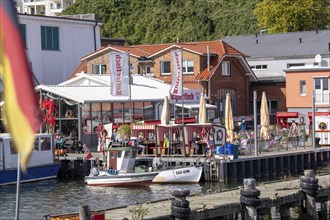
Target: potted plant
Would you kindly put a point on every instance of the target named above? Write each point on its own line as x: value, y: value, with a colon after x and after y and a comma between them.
x: 125, y: 132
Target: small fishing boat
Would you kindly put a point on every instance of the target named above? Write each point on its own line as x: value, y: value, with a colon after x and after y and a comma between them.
x: 187, y: 174
x: 120, y: 169
x: 41, y: 165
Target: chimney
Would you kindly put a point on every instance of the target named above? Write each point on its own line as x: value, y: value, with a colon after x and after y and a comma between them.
x: 177, y: 40
x: 300, y: 40
x: 256, y: 41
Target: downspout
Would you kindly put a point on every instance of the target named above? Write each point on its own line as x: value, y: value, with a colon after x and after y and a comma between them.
x: 94, y: 29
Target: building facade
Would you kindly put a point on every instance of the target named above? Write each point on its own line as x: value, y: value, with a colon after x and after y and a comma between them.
x: 42, y: 7
x: 214, y: 68
x: 54, y: 45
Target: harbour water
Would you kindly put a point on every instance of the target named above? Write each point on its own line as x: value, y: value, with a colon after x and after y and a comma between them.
x: 61, y: 197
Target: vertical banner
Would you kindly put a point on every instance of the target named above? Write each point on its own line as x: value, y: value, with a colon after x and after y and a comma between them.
x: 119, y: 74
x: 176, y: 87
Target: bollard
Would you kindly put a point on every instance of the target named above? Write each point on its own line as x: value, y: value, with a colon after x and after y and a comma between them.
x: 180, y: 206
x: 84, y: 212
x: 309, y: 185
x: 250, y: 198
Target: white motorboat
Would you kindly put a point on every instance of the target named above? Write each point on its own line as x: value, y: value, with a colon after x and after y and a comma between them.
x: 188, y: 174
x: 120, y: 170
x: 41, y: 165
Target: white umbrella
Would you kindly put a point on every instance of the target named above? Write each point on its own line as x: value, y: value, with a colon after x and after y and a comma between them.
x: 202, y: 111
x: 264, y: 117
x: 165, y: 117
x: 229, y: 122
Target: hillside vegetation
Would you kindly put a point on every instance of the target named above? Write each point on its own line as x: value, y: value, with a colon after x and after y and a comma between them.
x: 165, y: 21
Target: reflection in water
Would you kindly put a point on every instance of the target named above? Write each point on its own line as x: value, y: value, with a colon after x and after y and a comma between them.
x: 60, y: 197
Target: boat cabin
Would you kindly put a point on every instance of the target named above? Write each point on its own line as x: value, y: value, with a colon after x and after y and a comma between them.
x: 121, y: 159
x: 42, y: 152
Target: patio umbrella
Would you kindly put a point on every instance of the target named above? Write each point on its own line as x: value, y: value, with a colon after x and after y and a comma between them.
x: 165, y: 117
x: 202, y: 111
x: 229, y: 122
x: 264, y: 117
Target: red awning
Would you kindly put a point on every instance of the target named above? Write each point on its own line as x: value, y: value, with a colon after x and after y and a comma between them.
x: 185, y: 120
x: 286, y: 114
x: 318, y: 114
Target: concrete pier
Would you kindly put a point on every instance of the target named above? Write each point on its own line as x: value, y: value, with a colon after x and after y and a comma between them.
x: 220, y: 205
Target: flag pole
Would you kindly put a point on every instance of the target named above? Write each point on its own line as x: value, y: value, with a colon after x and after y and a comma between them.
x: 130, y: 89
x: 18, y: 187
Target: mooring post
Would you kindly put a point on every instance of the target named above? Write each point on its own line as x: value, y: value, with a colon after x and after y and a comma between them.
x: 285, y: 212
x: 84, y: 212
x: 309, y: 185
x: 180, y: 206
x: 250, y: 198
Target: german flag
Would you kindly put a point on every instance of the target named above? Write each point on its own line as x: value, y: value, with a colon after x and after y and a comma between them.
x: 21, y: 112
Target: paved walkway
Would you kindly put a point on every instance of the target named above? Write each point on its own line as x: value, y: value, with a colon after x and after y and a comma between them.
x: 213, y: 199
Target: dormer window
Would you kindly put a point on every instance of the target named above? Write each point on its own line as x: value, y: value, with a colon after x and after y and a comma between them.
x: 225, y: 68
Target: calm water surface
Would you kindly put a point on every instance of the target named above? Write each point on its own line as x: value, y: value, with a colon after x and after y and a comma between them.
x: 61, y: 197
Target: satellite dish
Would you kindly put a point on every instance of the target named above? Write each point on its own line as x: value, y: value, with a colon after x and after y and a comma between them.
x: 318, y: 58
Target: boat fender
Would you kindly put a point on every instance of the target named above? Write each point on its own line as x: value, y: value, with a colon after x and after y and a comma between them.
x: 112, y: 172
x: 70, y: 173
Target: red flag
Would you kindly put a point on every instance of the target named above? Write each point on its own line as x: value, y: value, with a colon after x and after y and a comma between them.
x: 89, y: 156
x: 21, y: 112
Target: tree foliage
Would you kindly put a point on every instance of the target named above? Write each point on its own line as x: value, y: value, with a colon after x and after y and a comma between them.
x: 292, y: 15
x: 165, y: 21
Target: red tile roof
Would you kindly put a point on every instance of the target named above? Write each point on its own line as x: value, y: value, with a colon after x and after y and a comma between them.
x: 217, y: 50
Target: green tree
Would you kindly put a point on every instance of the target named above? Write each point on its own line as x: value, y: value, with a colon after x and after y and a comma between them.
x: 292, y: 15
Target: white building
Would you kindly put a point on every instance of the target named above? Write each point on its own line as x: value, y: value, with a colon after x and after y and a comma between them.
x: 270, y: 54
x: 54, y: 45
x: 42, y: 7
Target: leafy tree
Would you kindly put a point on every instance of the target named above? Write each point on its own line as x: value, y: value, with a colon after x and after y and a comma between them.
x: 292, y: 15
x: 165, y: 21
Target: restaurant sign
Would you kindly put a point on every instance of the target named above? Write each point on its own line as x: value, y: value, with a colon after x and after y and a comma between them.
x: 189, y: 96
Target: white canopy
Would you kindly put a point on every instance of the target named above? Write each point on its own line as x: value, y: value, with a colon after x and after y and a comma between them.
x: 86, y: 88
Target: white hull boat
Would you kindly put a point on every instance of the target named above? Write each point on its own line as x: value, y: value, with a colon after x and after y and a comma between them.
x: 120, y: 170
x: 188, y: 174
x: 125, y: 179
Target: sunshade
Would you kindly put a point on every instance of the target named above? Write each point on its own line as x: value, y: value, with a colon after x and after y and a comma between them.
x: 229, y: 122
x: 202, y: 111
x: 165, y: 117
x: 264, y: 117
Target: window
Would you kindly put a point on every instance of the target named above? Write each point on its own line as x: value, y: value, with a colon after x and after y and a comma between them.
x: 99, y: 69
x: 259, y: 67
x: 188, y: 67
x: 225, y: 68
x: 165, y: 67
x: 148, y: 70
x: 321, y: 86
x: 294, y: 64
x: 272, y: 107
x: 303, y: 87
x: 22, y: 29
x: 49, y: 38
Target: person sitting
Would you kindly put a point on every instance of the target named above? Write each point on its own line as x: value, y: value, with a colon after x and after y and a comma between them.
x: 272, y: 142
x: 243, y: 126
x: 139, y: 143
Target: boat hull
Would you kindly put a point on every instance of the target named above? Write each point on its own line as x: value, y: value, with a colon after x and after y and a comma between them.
x: 128, y: 179
x: 48, y: 171
x: 191, y: 174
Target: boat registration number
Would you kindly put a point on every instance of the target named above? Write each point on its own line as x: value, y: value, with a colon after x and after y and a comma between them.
x: 178, y: 172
